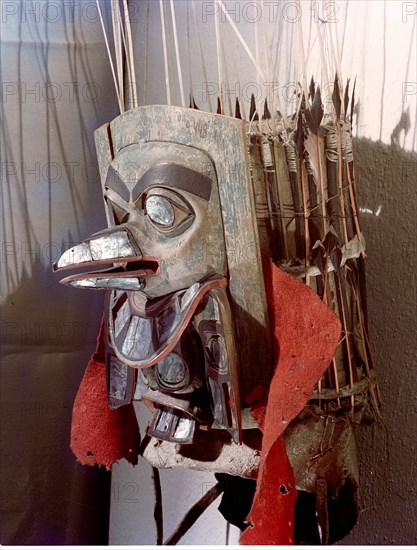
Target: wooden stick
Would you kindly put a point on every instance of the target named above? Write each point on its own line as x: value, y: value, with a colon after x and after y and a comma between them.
x: 202, y: 56
x: 306, y: 216
x: 164, y: 46
x: 219, y: 61
x: 177, y: 54
x: 241, y: 39
x: 145, y: 80
x: 116, y: 23
x: 131, y: 55
x: 110, y: 57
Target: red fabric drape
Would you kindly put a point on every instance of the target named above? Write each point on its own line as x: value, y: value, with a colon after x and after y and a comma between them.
x: 306, y: 333
x: 100, y: 435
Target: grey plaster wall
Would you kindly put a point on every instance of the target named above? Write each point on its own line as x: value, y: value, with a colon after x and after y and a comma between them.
x: 387, y: 452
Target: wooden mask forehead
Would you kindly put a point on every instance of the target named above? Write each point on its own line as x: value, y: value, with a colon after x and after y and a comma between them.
x: 137, y: 168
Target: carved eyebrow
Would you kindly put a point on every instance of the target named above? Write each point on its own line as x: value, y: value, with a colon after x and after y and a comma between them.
x: 177, y: 177
x: 115, y: 182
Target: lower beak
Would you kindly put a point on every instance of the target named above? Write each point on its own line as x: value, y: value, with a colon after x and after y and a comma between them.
x: 126, y: 267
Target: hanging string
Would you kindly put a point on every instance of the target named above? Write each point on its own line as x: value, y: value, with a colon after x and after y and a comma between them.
x: 127, y: 100
x: 116, y: 24
x: 258, y: 76
x: 303, y: 56
x: 270, y: 73
x: 190, y: 81
x: 177, y: 54
x: 219, y: 61
x: 226, y: 77
x: 344, y: 28
x: 202, y: 55
x: 236, y: 70
x: 164, y: 46
x: 130, y: 57
x: 322, y: 54
x: 110, y: 56
x: 240, y: 37
x: 171, y: 61
x: 145, y: 80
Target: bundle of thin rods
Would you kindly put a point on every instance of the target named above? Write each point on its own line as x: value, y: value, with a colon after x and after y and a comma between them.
x: 305, y: 195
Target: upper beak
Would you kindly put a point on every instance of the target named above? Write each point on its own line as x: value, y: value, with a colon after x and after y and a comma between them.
x: 112, y: 246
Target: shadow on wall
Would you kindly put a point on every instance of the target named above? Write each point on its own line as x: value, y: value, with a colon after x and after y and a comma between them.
x: 401, y: 129
x: 386, y: 177
x: 46, y: 496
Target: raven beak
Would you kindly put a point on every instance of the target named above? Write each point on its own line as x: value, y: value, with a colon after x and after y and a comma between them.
x: 126, y: 269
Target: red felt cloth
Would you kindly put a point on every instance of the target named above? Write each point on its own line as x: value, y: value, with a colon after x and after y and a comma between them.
x: 306, y: 334
x: 100, y: 435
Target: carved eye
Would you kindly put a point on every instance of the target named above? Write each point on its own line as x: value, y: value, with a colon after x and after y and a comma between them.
x: 160, y: 210
x: 167, y: 211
